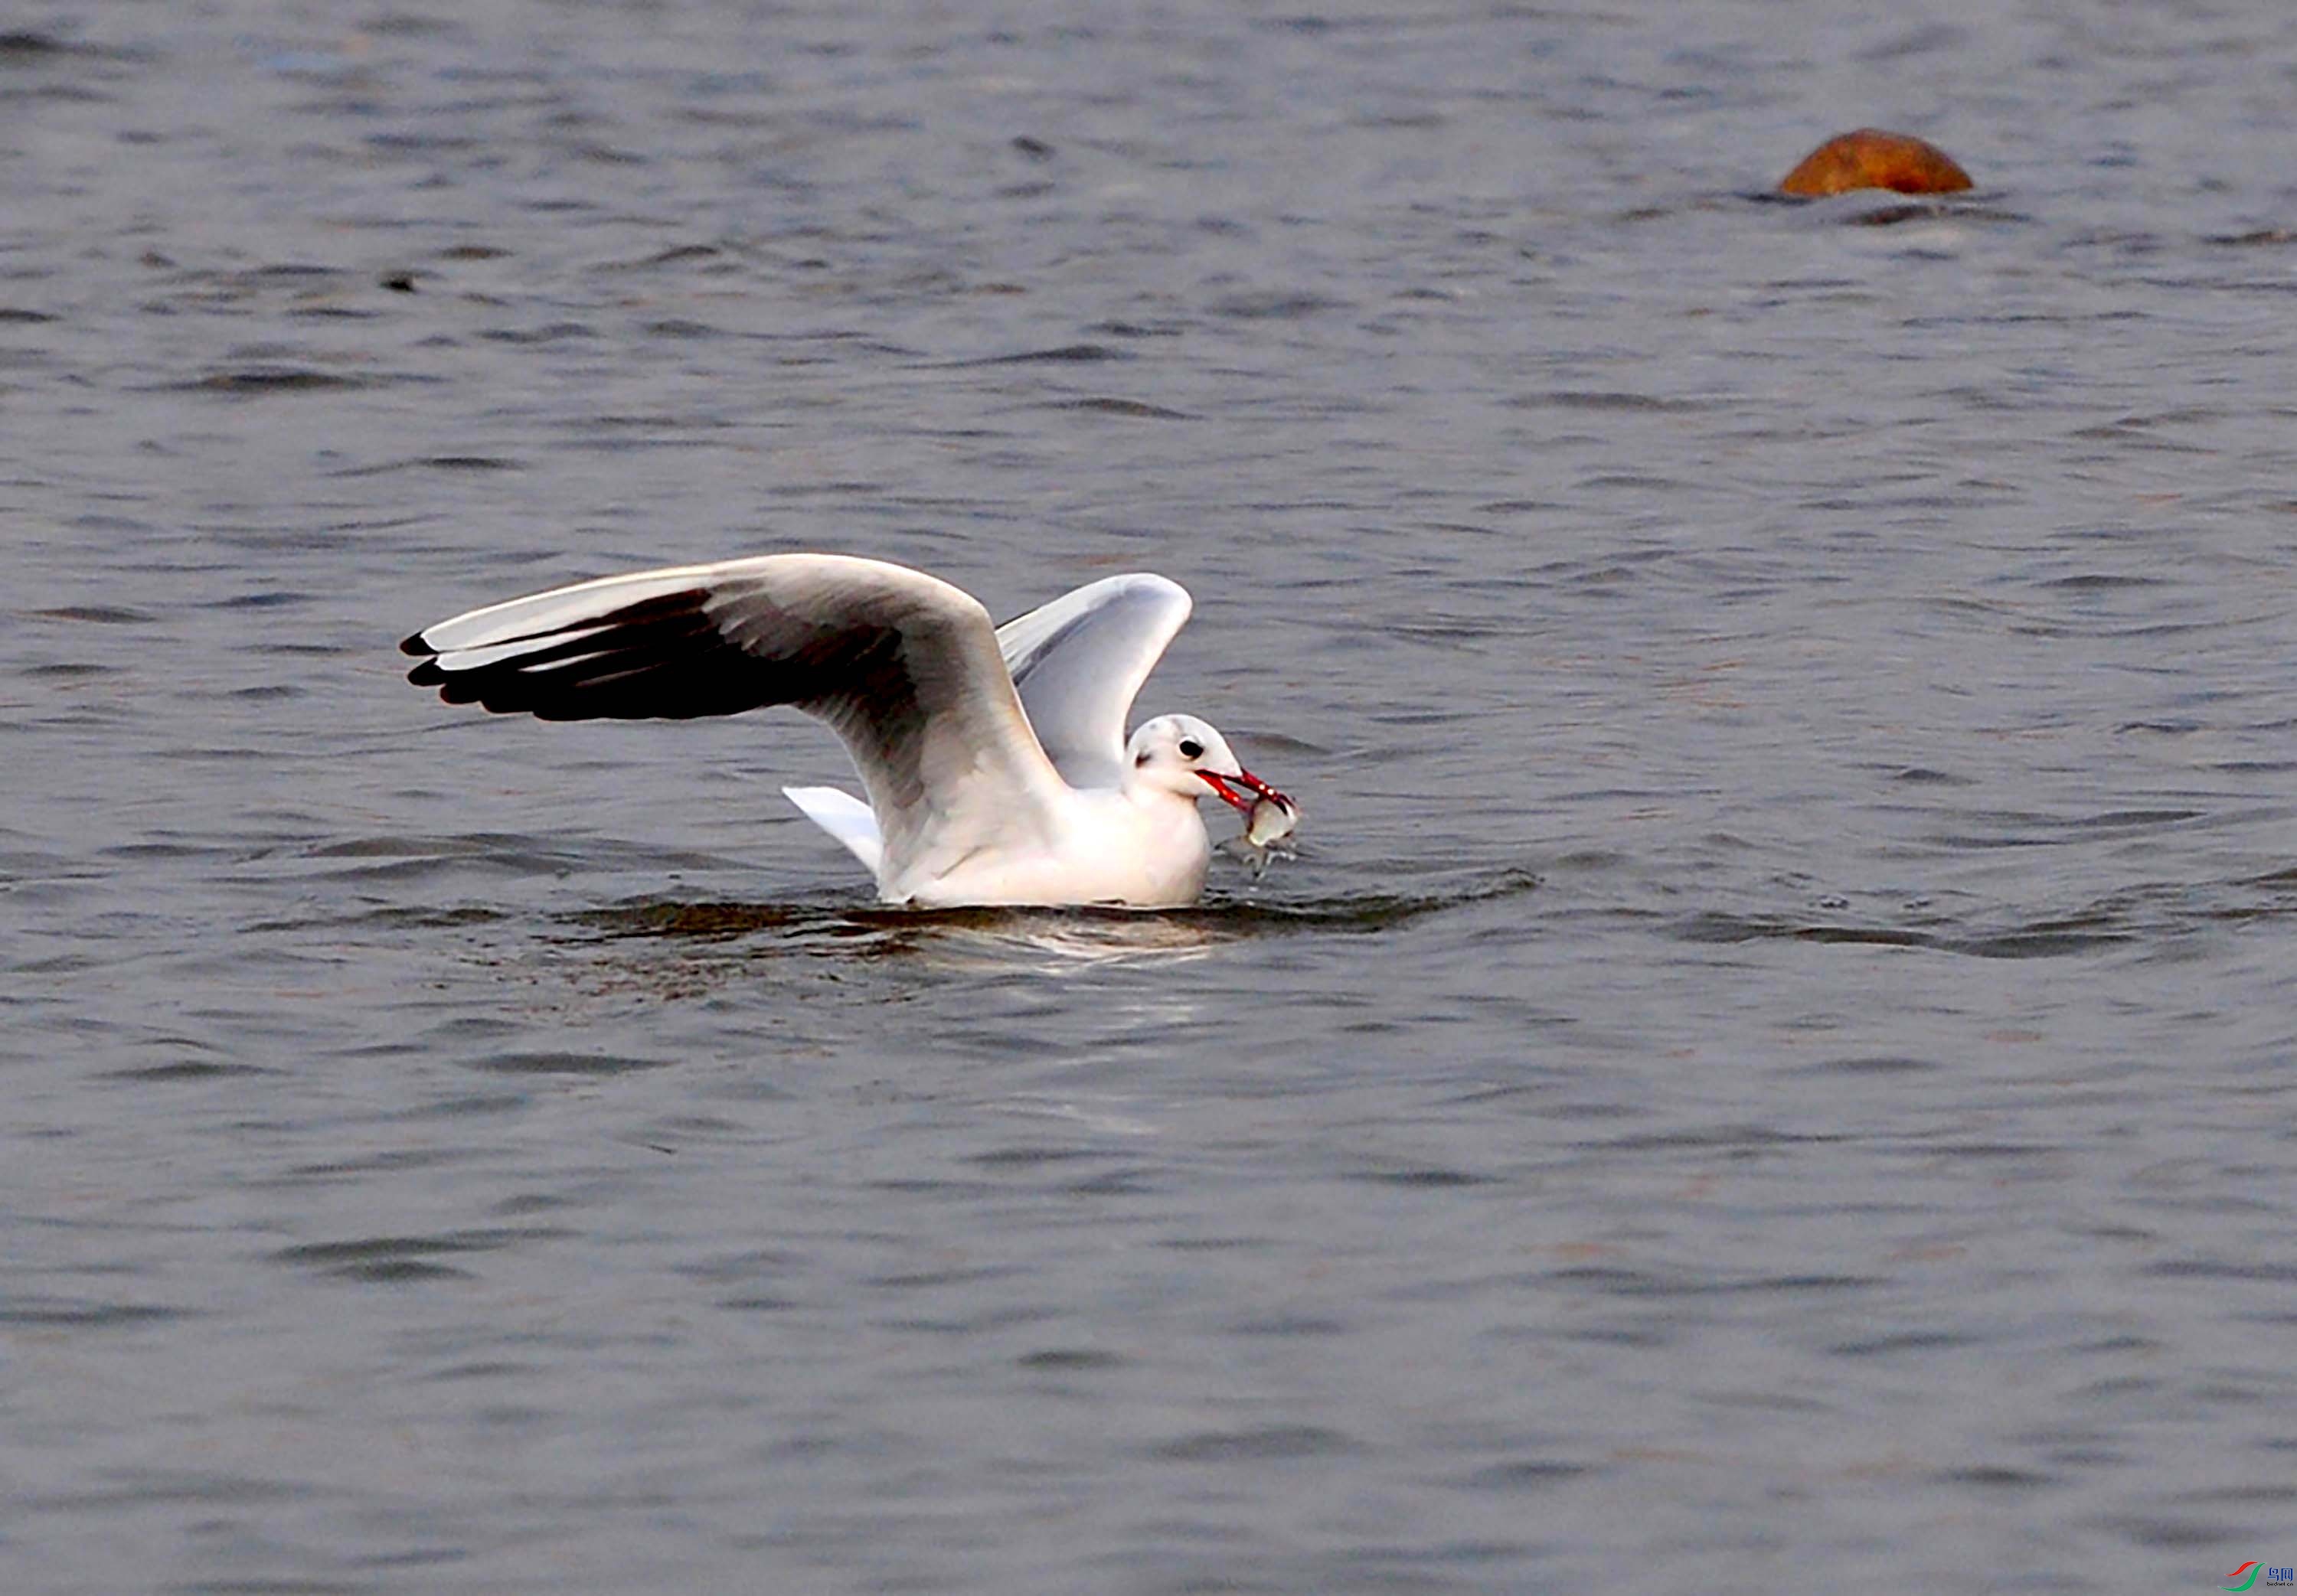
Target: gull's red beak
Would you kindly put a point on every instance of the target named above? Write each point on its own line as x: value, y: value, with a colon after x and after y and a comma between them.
x: 1252, y: 788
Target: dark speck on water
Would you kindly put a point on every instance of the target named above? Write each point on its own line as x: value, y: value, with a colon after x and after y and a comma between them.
x: 1771, y: 1070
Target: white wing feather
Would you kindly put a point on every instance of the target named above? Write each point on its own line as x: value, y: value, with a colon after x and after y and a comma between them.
x: 845, y: 817
x: 1078, y: 663
x: 902, y: 666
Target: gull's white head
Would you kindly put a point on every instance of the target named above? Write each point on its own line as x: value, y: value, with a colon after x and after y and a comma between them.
x: 1181, y: 755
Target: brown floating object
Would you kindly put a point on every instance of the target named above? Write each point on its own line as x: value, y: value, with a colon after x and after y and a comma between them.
x: 1871, y: 158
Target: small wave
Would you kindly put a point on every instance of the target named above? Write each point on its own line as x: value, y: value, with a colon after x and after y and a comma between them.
x: 274, y: 379
x: 1066, y: 354
x: 1137, y: 409
x: 2142, y: 915
x: 433, y: 463
x: 1218, y: 918
x: 2042, y: 940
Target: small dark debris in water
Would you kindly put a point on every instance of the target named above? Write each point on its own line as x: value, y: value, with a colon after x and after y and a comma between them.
x: 12, y: 315
x: 1035, y: 149
x: 1925, y: 775
x: 473, y: 251
x: 400, y: 281
x: 2262, y: 235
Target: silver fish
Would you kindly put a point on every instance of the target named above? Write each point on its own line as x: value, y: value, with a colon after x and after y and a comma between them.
x: 1267, y: 832
x: 1272, y: 818
x: 1269, y: 817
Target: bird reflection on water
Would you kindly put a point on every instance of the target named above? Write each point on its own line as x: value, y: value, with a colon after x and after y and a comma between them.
x: 1062, y: 939
x: 1058, y: 939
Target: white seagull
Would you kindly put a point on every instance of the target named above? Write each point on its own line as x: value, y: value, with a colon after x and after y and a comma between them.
x: 994, y: 758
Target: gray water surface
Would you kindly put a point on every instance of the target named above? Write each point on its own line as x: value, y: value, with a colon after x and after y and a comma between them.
x: 1771, y: 1071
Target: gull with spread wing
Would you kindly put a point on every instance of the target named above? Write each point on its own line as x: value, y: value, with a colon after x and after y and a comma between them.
x: 994, y: 758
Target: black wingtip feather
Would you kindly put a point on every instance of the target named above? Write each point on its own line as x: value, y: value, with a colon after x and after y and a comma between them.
x: 666, y: 658
x: 662, y: 658
x: 415, y: 644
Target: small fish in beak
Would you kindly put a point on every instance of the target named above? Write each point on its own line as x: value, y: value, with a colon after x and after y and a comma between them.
x: 1270, y: 819
x: 1269, y: 816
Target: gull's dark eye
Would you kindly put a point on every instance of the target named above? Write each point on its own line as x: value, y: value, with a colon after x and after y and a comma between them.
x: 1140, y: 758
x: 1192, y: 749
